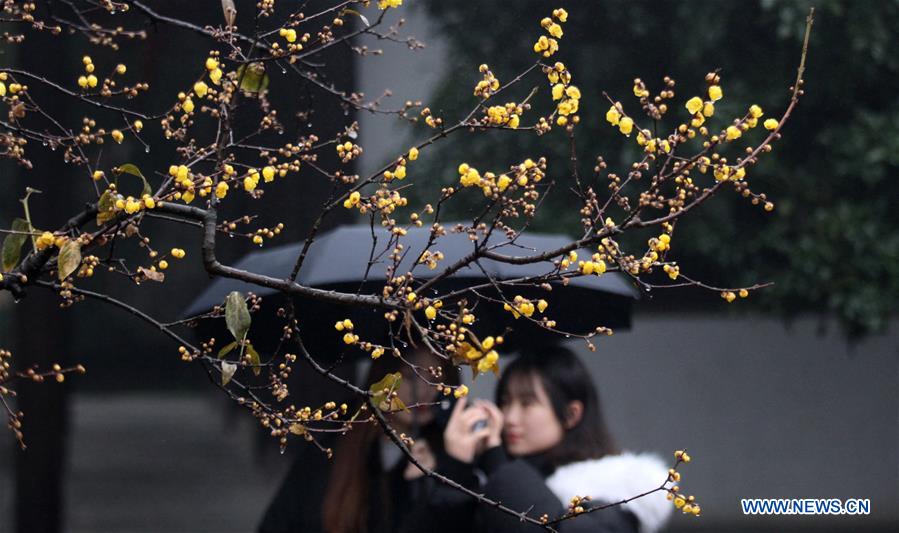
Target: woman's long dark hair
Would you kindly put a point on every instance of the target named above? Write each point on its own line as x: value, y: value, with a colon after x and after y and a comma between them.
x: 345, y: 507
x: 565, y: 379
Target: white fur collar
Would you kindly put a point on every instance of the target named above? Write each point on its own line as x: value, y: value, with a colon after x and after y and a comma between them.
x: 615, y: 477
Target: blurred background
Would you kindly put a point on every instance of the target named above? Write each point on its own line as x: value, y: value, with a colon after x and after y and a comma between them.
x: 791, y: 393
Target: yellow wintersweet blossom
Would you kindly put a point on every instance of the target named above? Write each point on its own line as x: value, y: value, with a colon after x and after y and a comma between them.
x: 573, y: 92
x: 626, y: 125
x: 613, y: 115
x: 341, y: 325
x: 722, y: 172
x: 558, y: 90
x: 555, y: 30
x: 546, y: 46
x: 755, y: 111
x: 733, y: 133
x: 181, y: 173
x: 132, y: 206
x: 771, y: 124
x: 673, y: 271
x: 694, y: 105
x: 715, y: 93
x: 567, y: 107
x: 221, y: 190
x: 469, y: 176
x: 352, y: 200
x: 45, y: 240
x: 290, y: 34
x: 488, y: 362
x: 386, y: 4
x: 413, y: 154
x: 200, y: 89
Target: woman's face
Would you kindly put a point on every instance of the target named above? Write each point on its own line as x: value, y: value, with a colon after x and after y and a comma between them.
x: 530, y: 424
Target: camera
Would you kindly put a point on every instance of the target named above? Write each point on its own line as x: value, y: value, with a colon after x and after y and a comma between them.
x: 444, y: 409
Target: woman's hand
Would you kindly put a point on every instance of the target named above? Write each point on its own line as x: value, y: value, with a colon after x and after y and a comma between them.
x: 494, y: 423
x: 460, y: 441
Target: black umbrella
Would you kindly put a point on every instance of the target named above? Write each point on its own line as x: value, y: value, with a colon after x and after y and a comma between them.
x: 338, y: 259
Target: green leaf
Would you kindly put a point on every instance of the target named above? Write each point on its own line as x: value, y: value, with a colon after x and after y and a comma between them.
x: 12, y: 244
x: 69, y: 258
x: 254, y: 359
x: 253, y: 78
x: 237, y: 316
x: 106, y: 207
x: 129, y: 168
x: 228, y: 370
x: 226, y: 349
x: 382, y: 389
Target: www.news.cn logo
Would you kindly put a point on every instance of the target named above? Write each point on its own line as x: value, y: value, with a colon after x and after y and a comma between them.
x: 806, y: 506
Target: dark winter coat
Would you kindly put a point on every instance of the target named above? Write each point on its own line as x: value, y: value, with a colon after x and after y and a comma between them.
x: 393, y: 504
x: 424, y: 505
x: 523, y: 484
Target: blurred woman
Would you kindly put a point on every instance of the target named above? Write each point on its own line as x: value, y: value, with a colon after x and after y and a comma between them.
x: 369, y: 486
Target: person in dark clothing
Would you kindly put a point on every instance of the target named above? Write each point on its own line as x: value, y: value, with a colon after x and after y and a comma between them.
x: 368, y: 486
x: 545, y: 442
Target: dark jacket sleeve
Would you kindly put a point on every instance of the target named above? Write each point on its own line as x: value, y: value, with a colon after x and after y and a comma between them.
x: 445, y: 508
x: 520, y: 486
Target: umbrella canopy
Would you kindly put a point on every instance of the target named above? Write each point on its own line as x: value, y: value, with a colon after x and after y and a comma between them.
x: 338, y: 259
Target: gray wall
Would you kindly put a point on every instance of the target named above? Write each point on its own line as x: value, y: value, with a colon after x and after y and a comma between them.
x: 410, y: 75
x: 766, y: 411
